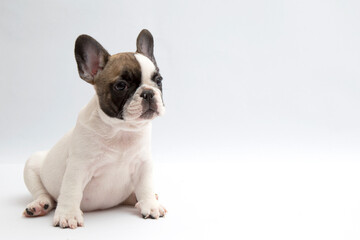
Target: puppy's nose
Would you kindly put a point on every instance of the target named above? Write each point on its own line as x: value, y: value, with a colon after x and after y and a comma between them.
x: 147, y: 95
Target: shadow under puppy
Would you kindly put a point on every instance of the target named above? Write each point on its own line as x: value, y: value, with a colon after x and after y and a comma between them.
x: 105, y: 160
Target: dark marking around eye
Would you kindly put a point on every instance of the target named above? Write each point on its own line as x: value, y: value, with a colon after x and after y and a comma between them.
x: 128, y: 71
x: 126, y: 76
x: 155, y: 75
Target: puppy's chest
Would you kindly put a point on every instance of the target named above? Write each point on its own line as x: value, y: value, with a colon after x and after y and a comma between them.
x: 123, y: 153
x: 113, y: 173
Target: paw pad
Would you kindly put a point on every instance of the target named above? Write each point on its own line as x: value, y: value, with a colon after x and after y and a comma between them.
x: 39, y: 207
x: 28, y: 212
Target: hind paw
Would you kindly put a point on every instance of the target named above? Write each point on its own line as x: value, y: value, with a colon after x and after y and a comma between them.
x: 39, y: 207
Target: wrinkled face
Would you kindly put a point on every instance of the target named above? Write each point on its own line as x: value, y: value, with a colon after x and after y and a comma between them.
x: 128, y: 85
x: 130, y: 88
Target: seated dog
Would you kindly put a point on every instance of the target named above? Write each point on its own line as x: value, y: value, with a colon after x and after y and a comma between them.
x: 105, y: 160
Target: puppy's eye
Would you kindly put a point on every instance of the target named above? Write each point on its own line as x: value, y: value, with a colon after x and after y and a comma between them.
x: 158, y: 81
x: 120, y: 86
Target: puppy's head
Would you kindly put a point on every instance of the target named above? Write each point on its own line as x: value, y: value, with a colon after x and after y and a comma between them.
x: 128, y: 85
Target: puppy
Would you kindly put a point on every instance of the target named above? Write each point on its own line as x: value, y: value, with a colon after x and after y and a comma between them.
x: 105, y: 160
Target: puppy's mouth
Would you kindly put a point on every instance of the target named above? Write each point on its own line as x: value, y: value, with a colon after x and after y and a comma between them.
x: 149, y: 111
x: 149, y: 114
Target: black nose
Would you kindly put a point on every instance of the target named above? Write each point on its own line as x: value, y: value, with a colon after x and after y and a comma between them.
x: 147, y: 95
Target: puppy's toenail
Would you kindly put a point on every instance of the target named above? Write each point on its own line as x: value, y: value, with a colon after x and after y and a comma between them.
x: 29, y: 212
x: 34, y: 209
x: 46, y: 206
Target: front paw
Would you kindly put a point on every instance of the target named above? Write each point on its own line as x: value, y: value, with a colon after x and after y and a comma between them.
x: 68, y: 218
x: 151, y: 208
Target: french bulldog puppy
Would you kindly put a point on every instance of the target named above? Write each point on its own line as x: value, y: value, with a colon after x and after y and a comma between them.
x: 105, y: 160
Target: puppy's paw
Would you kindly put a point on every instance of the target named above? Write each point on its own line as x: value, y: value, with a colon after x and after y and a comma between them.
x: 66, y: 218
x: 39, y: 207
x: 151, y: 208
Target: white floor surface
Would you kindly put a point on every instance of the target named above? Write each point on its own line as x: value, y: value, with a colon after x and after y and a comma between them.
x: 230, y: 198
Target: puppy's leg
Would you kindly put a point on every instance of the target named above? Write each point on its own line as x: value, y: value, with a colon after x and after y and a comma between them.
x: 43, y: 202
x: 68, y: 212
x: 147, y: 203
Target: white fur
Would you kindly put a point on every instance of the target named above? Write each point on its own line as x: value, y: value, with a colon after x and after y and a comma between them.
x: 147, y: 69
x: 100, y: 162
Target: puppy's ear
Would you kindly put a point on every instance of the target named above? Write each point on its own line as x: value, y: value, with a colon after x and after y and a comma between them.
x: 145, y: 44
x: 90, y: 56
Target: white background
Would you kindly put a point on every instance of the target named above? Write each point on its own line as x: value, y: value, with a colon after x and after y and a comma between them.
x: 262, y: 100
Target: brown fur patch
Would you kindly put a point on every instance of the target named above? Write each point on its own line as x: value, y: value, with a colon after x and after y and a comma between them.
x: 120, y: 67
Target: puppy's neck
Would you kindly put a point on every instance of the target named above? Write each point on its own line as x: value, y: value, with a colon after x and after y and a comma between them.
x: 93, y: 117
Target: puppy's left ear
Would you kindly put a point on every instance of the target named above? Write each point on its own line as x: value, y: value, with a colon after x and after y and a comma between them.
x: 90, y: 56
x: 145, y: 44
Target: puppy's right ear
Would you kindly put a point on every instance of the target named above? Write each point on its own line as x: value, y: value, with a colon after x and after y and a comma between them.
x: 90, y: 56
